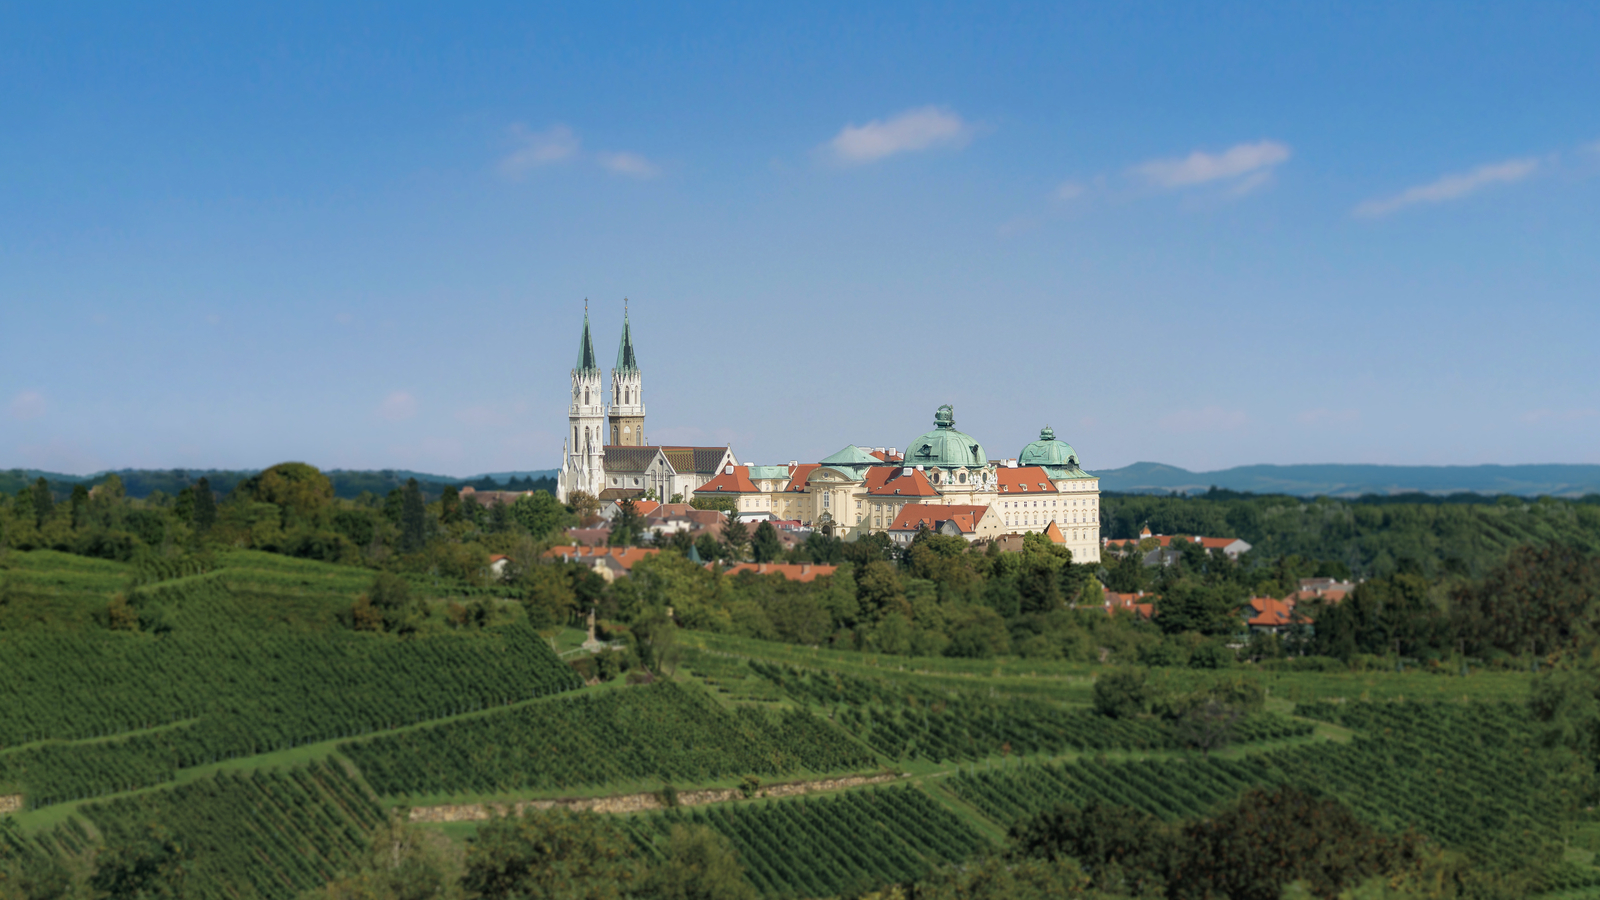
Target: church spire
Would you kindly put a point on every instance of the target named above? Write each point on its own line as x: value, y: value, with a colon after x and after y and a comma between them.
x: 586, y: 357
x: 625, y: 358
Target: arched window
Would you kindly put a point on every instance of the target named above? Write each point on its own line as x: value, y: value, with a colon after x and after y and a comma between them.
x: 585, y: 396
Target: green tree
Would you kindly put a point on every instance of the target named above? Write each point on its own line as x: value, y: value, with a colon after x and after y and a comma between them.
x: 402, y: 863
x: 1190, y: 605
x: 413, y: 518
x: 1122, y: 693
x: 449, y: 505
x: 735, y: 536
x: 765, y: 545
x: 700, y: 864
x: 540, y: 514
x: 552, y: 855
x: 301, y: 491
x: 626, y: 525
x: 1542, y: 599
x: 44, y: 504
x: 1120, y: 849
x: 150, y: 865
x: 977, y: 632
x: 80, y: 505
x: 547, y: 594
x: 880, y: 592
x: 205, y: 506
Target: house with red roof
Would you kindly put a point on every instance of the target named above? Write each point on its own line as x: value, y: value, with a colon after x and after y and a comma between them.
x: 1137, y: 604
x: 609, y: 563
x: 970, y: 522
x: 734, y: 483
x: 1165, y: 554
x: 1271, y: 615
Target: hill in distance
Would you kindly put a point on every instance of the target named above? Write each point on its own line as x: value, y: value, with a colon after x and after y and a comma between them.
x: 1342, y: 480
x: 1330, y: 479
x: 347, y: 483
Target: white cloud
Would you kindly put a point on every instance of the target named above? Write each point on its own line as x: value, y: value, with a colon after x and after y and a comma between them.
x: 398, y: 406
x: 1069, y: 190
x: 914, y: 129
x: 630, y: 164
x: 538, y: 148
x: 1200, y: 168
x: 1450, y: 187
x: 28, y: 405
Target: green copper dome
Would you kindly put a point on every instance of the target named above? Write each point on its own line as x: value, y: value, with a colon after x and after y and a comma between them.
x: 1047, y: 451
x: 944, y: 446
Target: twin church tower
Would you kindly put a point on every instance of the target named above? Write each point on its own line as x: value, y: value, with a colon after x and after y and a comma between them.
x: 583, y: 454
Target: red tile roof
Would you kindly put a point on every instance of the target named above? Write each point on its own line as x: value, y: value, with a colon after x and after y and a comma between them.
x: 1130, y: 602
x: 791, y: 571
x: 642, y: 507
x: 731, y: 480
x: 1054, y: 533
x: 1272, y: 612
x: 798, y: 476
x: 625, y: 557
x: 1025, y: 479
x: 914, y: 515
x: 890, y: 481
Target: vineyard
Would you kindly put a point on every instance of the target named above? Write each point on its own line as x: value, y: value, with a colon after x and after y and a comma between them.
x: 267, y: 834
x: 1459, y: 774
x: 904, y: 722
x: 238, y: 672
x: 663, y: 732
x: 831, y: 846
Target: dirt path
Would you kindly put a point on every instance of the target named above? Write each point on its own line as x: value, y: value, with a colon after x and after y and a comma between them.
x: 627, y: 803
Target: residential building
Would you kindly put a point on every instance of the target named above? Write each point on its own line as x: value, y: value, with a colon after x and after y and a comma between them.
x: 957, y: 520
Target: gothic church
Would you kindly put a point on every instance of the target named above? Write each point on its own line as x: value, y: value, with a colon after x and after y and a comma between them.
x: 612, y: 459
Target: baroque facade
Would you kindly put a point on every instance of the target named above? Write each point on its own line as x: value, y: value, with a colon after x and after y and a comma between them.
x: 860, y: 491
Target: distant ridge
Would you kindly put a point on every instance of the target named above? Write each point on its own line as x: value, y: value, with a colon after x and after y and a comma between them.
x: 347, y: 483
x: 1355, y: 480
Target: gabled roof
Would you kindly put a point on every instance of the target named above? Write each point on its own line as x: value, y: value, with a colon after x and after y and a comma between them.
x: 1025, y: 480
x: 893, y: 481
x: 732, y: 480
x: 915, y: 515
x: 851, y: 455
x: 586, y: 358
x: 1271, y: 612
x: 699, y: 460
x: 628, y: 459
x: 625, y: 358
x: 1054, y: 533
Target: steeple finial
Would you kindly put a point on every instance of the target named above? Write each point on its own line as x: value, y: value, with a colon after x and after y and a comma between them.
x: 586, y: 357
x: 626, y: 361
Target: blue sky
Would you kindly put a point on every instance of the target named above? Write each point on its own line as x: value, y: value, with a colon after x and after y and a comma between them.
x: 1207, y: 235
